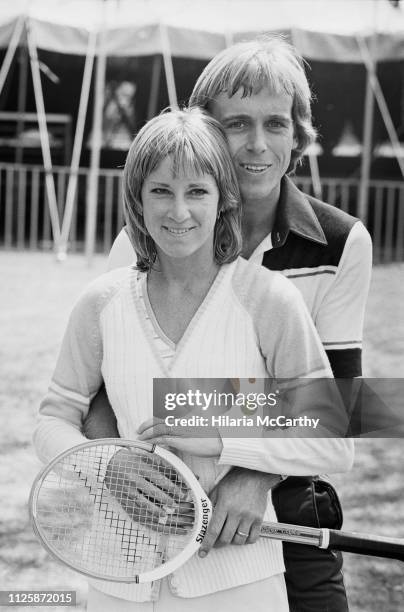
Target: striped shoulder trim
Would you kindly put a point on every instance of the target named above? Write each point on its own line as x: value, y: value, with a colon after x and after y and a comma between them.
x: 68, y: 393
x: 346, y: 344
x: 303, y: 272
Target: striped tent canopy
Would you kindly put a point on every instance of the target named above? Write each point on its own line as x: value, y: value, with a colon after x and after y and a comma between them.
x: 322, y: 29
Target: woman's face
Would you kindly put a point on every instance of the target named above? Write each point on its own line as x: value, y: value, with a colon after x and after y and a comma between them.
x: 180, y: 212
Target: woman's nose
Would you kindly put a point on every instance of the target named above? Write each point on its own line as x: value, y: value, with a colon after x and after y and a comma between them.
x: 179, y: 210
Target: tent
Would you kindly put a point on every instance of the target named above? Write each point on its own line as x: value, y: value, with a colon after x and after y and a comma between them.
x: 321, y: 29
x: 354, y: 31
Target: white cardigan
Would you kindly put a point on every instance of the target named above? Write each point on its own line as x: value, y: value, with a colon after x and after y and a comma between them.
x: 252, y: 324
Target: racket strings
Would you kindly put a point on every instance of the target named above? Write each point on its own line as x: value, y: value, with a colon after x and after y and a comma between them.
x: 115, y: 512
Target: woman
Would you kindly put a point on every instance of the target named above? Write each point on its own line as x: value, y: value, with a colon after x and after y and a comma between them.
x: 191, y: 308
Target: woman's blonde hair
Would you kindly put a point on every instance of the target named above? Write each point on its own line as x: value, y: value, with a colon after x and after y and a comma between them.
x: 196, y: 143
x: 268, y: 61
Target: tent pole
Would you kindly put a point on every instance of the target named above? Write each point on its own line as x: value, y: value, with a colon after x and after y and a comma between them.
x: 154, y: 87
x: 367, y: 145
x: 315, y: 176
x: 77, y: 146
x: 22, y: 100
x: 44, y: 136
x: 313, y: 161
x: 11, y: 49
x: 381, y: 102
x: 168, y: 66
x: 96, y: 143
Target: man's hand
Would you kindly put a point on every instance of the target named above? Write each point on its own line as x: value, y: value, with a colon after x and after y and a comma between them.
x: 240, y: 501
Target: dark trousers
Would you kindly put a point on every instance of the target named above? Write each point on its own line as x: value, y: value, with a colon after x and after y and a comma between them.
x: 313, y: 576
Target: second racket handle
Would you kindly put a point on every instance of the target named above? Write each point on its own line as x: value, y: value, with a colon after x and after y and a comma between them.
x: 391, y: 548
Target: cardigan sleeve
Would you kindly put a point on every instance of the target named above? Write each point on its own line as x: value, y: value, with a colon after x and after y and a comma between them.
x: 75, y: 381
x: 293, y: 352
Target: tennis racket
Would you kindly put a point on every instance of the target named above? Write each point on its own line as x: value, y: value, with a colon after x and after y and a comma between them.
x: 127, y: 511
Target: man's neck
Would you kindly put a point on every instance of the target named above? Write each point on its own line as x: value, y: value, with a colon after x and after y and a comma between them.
x: 257, y: 222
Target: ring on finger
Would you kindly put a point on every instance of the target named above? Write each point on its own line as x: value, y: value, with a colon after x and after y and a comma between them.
x: 242, y: 534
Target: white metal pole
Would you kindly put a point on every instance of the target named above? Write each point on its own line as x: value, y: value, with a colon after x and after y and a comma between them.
x: 168, y: 66
x: 313, y: 161
x: 96, y: 142
x: 77, y: 147
x: 43, y: 132
x: 367, y: 145
x: 154, y: 87
x: 11, y: 49
x: 368, y: 116
x: 315, y: 175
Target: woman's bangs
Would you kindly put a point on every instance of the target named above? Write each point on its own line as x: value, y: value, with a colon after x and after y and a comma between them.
x: 192, y: 158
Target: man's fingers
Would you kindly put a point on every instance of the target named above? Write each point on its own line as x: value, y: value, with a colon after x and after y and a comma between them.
x: 242, y: 534
x: 213, y: 497
x: 228, y: 531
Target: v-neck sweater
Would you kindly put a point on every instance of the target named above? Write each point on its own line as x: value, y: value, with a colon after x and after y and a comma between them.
x: 252, y: 324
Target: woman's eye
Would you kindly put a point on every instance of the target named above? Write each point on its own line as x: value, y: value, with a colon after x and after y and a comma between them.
x: 159, y: 190
x: 198, y: 192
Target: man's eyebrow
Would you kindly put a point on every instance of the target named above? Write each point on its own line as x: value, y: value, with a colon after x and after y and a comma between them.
x: 235, y: 116
x: 281, y: 116
x: 246, y: 116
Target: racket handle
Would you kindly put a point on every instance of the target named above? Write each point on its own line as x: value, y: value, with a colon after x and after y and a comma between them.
x: 292, y: 533
x: 362, y: 544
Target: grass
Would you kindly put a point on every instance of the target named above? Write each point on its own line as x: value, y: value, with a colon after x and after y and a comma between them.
x: 36, y: 295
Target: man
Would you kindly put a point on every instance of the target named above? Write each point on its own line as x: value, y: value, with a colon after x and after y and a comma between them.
x: 259, y: 92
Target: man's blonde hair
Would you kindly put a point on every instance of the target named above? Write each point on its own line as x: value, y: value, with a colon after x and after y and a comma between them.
x: 268, y: 61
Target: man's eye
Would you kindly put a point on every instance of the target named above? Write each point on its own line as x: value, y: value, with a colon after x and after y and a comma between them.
x: 274, y: 123
x: 235, y: 125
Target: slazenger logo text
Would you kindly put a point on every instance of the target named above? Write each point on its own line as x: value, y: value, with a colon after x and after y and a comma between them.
x: 205, y: 520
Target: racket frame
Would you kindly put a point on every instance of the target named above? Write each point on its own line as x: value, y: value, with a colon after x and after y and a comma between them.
x: 202, y: 509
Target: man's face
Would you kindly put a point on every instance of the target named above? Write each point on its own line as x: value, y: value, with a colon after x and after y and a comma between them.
x: 260, y: 134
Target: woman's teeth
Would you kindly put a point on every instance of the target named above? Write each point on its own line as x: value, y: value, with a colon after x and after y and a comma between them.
x: 178, y: 232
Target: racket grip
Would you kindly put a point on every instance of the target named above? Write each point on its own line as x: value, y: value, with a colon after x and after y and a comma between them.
x: 362, y: 544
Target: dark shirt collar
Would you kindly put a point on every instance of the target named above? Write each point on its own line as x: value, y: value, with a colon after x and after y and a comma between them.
x: 295, y: 214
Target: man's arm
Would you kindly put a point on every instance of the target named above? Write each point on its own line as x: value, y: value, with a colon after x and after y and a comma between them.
x: 339, y: 319
x: 122, y: 252
x: 101, y: 421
